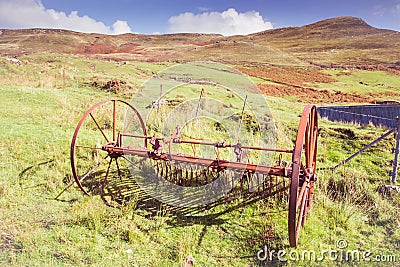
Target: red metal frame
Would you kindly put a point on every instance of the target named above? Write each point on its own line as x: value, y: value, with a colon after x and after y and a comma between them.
x: 301, y: 172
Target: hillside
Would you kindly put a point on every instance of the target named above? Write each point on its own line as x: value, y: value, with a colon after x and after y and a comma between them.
x: 343, y: 40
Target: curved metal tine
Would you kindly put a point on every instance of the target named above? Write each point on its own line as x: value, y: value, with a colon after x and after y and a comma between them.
x: 226, y: 177
x: 176, y: 173
x: 177, y: 176
x: 244, y: 182
x: 263, y: 184
x: 241, y: 181
x: 250, y: 182
x: 173, y: 173
x: 195, y: 175
x: 120, y: 177
x: 169, y: 176
x: 279, y: 186
x: 186, y: 174
x: 161, y: 171
x: 154, y: 165
x: 103, y: 185
x: 164, y: 170
x: 249, y: 177
x: 204, y: 175
x: 158, y: 167
x: 180, y: 174
x: 118, y: 170
x: 170, y: 172
x: 201, y: 175
x: 264, y: 181
x: 190, y: 173
x: 232, y: 179
x: 271, y: 185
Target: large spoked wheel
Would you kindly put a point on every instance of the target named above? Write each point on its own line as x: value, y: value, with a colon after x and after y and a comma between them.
x: 303, y: 173
x: 94, y: 168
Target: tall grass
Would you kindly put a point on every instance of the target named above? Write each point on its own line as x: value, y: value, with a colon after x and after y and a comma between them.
x: 37, y: 123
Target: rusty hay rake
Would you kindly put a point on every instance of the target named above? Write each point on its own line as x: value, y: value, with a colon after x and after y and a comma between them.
x: 103, y: 148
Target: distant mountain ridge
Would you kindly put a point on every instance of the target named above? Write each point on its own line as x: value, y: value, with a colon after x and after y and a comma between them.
x: 342, y: 40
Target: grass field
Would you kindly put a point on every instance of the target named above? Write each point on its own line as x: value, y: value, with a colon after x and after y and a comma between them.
x: 43, y: 100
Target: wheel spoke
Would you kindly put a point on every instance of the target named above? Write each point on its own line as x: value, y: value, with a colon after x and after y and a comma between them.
x: 301, y: 194
x: 301, y: 215
x: 92, y: 169
x: 128, y: 160
x: 98, y: 126
x: 89, y: 147
x: 129, y: 122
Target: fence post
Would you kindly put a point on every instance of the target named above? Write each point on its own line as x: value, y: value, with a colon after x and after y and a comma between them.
x: 396, y: 153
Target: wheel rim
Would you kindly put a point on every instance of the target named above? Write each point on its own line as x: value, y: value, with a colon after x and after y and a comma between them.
x: 303, y: 173
x: 92, y: 167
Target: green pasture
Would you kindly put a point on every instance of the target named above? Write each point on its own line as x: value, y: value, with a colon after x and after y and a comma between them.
x: 38, y: 115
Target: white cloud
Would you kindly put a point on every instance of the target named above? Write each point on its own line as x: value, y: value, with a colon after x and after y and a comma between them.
x: 397, y: 8
x: 17, y: 14
x: 121, y: 26
x: 229, y: 22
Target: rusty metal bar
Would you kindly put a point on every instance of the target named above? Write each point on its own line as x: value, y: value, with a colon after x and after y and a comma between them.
x: 98, y: 126
x: 217, y: 164
x: 363, y: 149
x: 213, y: 144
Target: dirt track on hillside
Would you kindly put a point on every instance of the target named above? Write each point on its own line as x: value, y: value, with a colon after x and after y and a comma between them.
x: 309, y: 95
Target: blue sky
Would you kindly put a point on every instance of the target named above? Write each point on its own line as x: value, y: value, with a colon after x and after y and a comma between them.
x: 219, y: 16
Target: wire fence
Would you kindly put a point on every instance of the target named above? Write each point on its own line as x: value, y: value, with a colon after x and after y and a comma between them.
x: 378, y: 115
